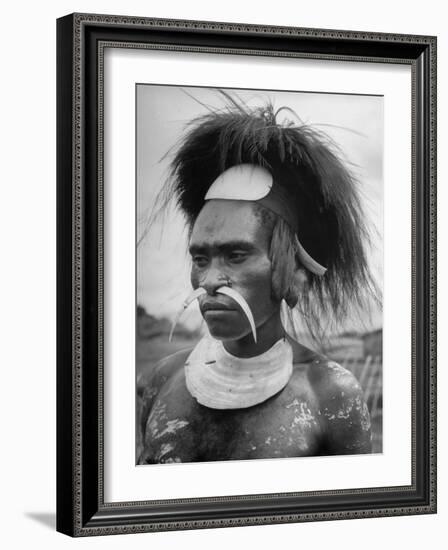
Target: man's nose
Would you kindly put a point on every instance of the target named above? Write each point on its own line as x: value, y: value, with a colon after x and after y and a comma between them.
x: 214, y: 279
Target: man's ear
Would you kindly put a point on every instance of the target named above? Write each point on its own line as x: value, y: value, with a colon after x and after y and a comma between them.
x: 299, y: 280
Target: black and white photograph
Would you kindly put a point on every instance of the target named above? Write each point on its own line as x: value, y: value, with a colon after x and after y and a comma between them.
x: 259, y: 267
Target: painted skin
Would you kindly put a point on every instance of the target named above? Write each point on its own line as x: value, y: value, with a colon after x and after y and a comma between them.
x: 321, y: 410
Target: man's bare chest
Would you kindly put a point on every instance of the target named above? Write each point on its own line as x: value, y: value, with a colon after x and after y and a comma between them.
x: 179, y: 429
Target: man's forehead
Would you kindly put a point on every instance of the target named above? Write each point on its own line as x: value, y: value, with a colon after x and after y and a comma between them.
x: 227, y: 220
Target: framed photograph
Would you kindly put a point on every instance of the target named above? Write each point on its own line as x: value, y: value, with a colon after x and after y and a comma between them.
x: 246, y: 274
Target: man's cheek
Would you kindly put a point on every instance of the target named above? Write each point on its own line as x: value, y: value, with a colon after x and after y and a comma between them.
x: 258, y: 293
x: 194, y: 279
x: 259, y: 284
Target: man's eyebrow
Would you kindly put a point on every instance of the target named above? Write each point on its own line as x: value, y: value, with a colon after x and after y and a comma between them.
x: 221, y: 246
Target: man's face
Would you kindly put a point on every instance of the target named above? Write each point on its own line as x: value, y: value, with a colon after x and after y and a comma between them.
x: 229, y: 241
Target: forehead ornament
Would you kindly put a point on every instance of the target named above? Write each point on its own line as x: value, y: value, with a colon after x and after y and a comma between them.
x: 250, y: 182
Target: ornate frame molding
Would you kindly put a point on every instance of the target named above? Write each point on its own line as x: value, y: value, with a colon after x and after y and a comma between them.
x: 81, y: 42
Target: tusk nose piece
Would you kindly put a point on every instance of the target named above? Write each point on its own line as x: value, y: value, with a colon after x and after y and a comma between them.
x: 191, y: 298
x: 236, y: 296
x: 243, y: 305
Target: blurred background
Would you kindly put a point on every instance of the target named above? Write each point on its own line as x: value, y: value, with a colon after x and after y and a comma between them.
x: 353, y: 122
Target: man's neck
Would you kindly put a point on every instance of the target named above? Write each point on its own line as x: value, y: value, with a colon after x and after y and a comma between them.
x: 267, y: 335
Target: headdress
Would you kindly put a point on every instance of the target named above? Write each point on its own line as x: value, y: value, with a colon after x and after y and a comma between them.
x: 324, y: 210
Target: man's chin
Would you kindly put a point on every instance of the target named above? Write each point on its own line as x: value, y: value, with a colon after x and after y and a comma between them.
x: 226, y: 326
x: 226, y: 335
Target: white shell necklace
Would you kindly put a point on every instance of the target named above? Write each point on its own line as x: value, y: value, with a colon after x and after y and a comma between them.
x: 220, y: 380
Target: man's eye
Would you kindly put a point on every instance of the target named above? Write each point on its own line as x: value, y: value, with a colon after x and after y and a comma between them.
x: 200, y: 261
x: 237, y: 257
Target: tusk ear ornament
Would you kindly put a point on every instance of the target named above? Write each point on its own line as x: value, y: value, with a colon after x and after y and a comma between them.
x: 309, y: 262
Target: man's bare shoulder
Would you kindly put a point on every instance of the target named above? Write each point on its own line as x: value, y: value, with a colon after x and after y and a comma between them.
x: 343, y: 407
x: 163, y: 370
x: 149, y: 386
x: 325, y: 376
x: 341, y: 403
x: 332, y: 380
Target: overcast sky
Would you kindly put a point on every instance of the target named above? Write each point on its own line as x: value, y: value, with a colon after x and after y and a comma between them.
x: 354, y: 122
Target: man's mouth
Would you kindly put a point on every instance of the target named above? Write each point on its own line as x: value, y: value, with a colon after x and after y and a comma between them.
x: 213, y: 306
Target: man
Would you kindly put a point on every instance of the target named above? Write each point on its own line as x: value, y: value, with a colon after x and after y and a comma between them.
x: 274, y: 219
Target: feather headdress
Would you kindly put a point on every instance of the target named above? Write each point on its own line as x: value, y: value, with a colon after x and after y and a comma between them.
x: 304, y: 161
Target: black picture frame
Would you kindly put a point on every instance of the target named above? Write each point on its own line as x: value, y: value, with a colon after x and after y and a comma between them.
x: 81, y: 510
